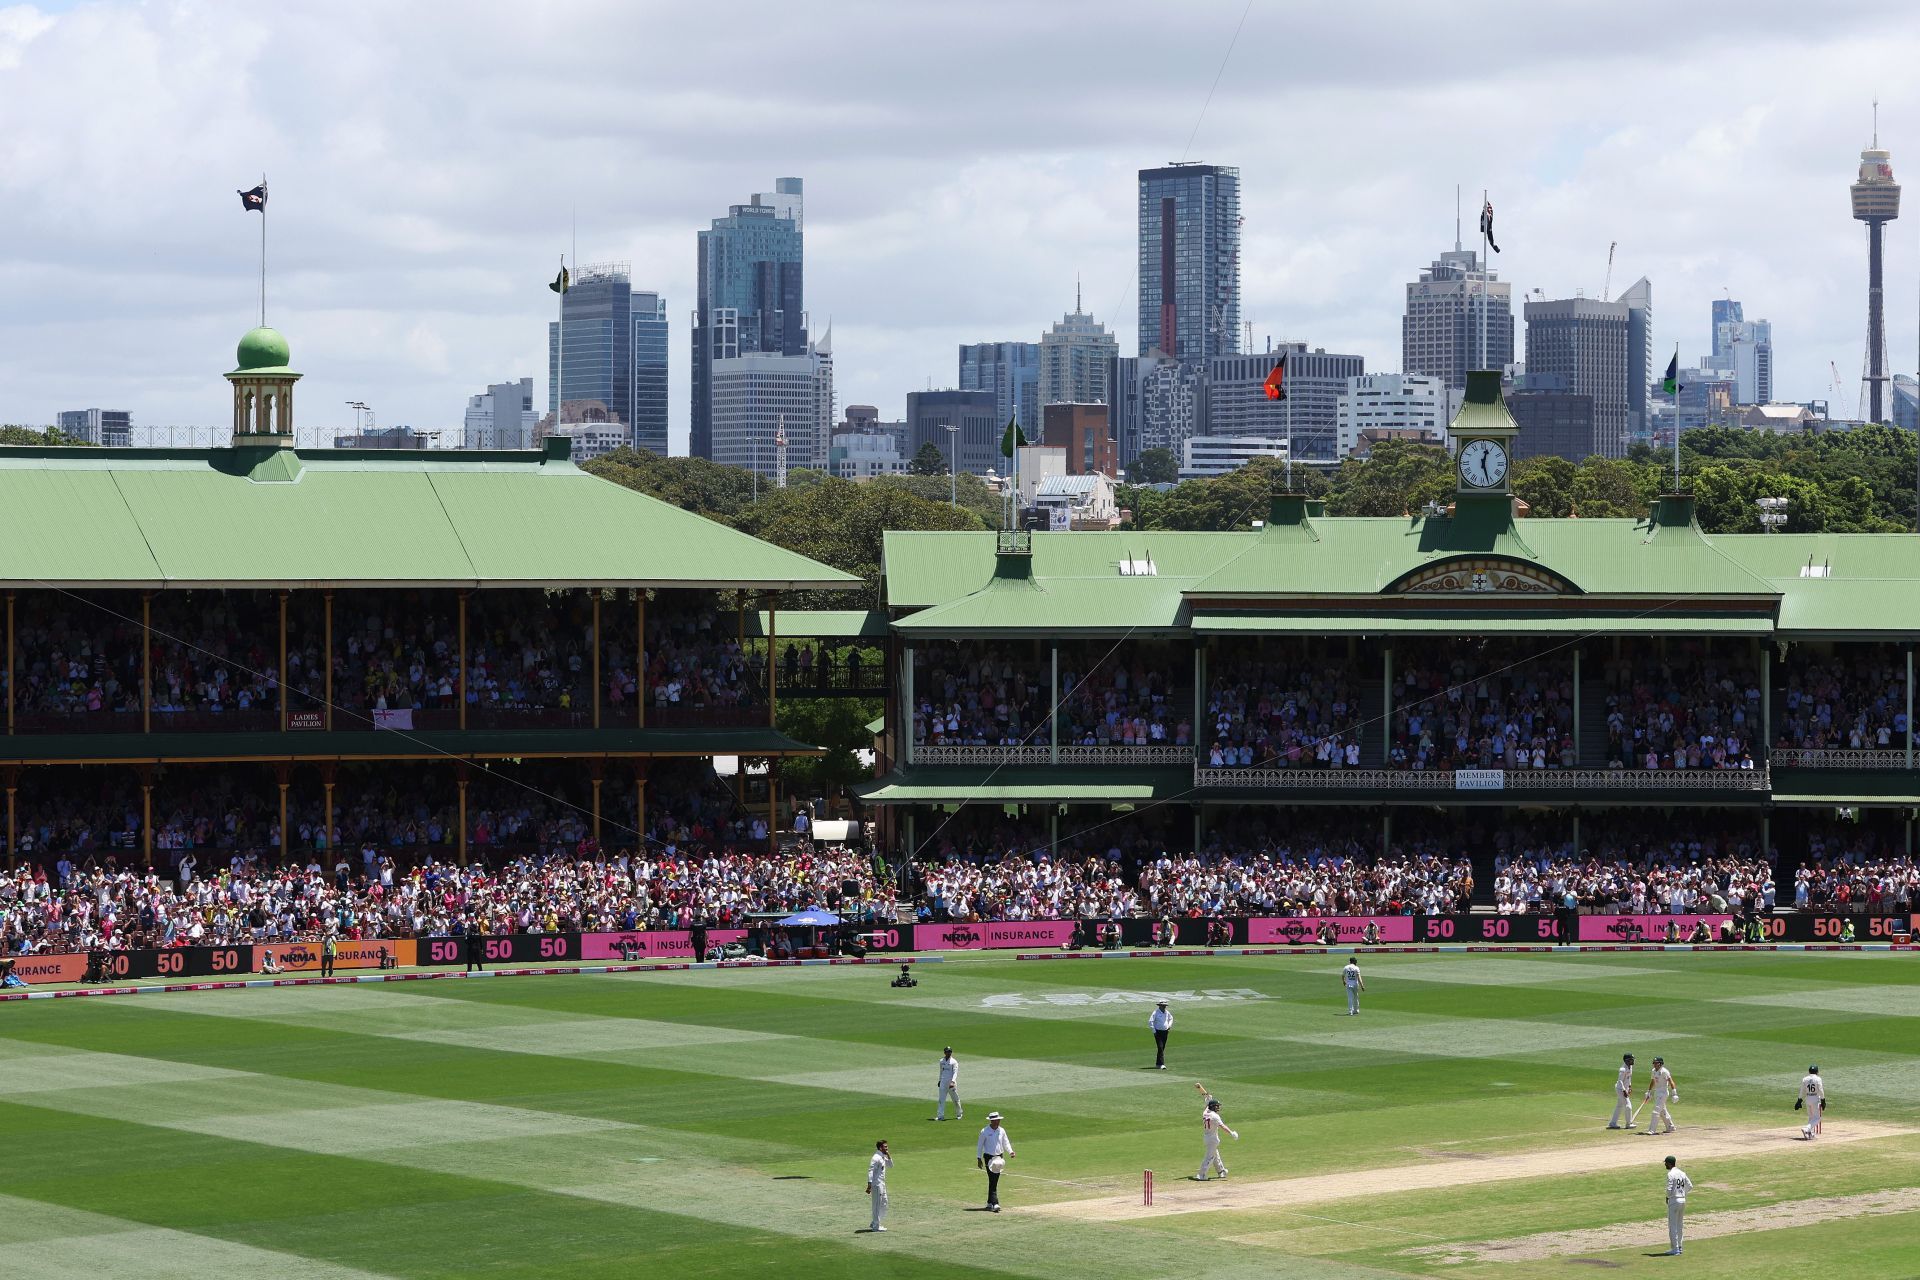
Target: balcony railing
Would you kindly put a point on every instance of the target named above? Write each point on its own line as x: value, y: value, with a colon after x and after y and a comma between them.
x: 1118, y: 753
x: 982, y: 755
x: 1470, y: 780
x: 1804, y: 758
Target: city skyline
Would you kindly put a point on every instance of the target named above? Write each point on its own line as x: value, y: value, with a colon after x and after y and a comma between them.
x: 410, y: 264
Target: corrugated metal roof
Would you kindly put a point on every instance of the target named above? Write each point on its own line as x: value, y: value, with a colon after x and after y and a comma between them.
x: 1491, y: 621
x: 1029, y: 784
x: 821, y: 623
x: 1066, y: 487
x: 147, y: 518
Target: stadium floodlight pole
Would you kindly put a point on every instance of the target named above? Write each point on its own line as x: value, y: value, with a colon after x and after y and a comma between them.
x: 953, y: 464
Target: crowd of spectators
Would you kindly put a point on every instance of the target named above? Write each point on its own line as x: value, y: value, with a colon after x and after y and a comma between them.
x: 215, y: 653
x: 1686, y: 709
x: 1831, y: 702
x: 397, y: 655
x: 980, y: 697
x: 247, y: 899
x: 1273, y: 713
x: 694, y: 660
x: 1856, y: 867
x: 1330, y: 867
x: 1107, y: 699
x: 74, y: 658
x: 1639, y: 868
x: 981, y: 864
x: 527, y: 655
x: 1483, y: 705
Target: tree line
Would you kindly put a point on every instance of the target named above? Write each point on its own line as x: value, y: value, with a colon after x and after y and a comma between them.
x: 1858, y: 481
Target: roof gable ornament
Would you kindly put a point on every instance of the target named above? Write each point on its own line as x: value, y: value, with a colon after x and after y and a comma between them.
x: 1482, y: 575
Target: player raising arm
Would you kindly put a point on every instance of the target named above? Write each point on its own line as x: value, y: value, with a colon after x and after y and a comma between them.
x: 1211, y: 1126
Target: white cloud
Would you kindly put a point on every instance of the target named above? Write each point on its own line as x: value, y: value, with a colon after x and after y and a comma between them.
x: 963, y: 165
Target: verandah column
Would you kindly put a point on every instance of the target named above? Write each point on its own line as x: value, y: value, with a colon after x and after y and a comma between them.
x: 146, y: 813
x: 640, y: 659
x: 773, y: 630
x: 1577, y: 761
x: 281, y: 680
x: 596, y: 702
x: 327, y: 710
x: 9, y: 683
x: 13, y: 817
x: 146, y: 662
x: 283, y: 779
x: 773, y: 804
x: 461, y: 784
x: 1053, y: 720
x: 1386, y: 705
x: 460, y: 692
x: 1909, y: 706
x: 599, y: 775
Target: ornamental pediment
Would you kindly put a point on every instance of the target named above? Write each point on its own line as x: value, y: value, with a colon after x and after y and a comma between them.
x: 1480, y: 576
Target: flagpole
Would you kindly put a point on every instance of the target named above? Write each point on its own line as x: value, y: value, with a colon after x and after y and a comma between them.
x: 1285, y: 377
x: 263, y: 250
x: 560, y: 362
x: 1486, y: 361
x: 1676, y: 418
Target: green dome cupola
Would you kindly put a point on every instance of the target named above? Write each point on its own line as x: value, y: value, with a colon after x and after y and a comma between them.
x: 263, y: 349
x: 263, y: 390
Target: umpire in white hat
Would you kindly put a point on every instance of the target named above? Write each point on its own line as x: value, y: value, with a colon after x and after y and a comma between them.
x: 995, y: 1149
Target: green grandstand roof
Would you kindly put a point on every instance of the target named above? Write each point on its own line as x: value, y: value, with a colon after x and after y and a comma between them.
x: 254, y: 517
x: 1029, y: 784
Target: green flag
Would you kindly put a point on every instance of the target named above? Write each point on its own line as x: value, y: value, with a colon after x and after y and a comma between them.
x: 1012, y: 438
x: 1671, y: 383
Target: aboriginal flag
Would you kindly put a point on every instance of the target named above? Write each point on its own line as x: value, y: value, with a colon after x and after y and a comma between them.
x: 1486, y: 225
x: 255, y: 201
x: 1276, y: 383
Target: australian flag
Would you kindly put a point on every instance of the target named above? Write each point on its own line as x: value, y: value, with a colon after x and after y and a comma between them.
x: 256, y: 199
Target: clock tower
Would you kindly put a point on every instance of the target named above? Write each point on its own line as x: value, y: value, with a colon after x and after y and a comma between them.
x: 1482, y: 434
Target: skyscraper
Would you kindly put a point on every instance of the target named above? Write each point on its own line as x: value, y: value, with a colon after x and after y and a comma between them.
x: 1743, y: 349
x: 1156, y: 403
x: 1876, y: 202
x: 501, y: 417
x: 1190, y: 261
x: 1076, y: 358
x: 751, y: 294
x: 1584, y: 342
x: 597, y: 357
x: 1236, y: 402
x: 977, y: 438
x: 1011, y: 370
x: 650, y: 373
x: 1440, y: 333
x: 1638, y: 300
x: 757, y: 396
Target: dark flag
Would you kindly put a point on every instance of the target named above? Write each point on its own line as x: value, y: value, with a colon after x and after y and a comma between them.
x: 1486, y: 225
x: 562, y: 282
x: 1276, y: 383
x: 255, y: 201
x: 1671, y: 383
x: 1012, y: 438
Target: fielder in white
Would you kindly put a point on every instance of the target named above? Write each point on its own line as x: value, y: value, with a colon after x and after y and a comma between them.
x: 1813, y: 1098
x: 949, y: 1087
x: 1662, y: 1090
x: 1623, y: 1095
x: 877, y: 1183
x: 1211, y: 1126
x: 1678, y: 1184
x: 1355, y: 985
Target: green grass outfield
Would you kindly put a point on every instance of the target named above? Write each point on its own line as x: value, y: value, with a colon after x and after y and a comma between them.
x: 718, y: 1123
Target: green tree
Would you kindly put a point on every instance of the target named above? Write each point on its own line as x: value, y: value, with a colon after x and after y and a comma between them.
x: 1154, y: 466
x: 970, y: 490
x: 841, y: 523
x: 928, y: 461
x: 1613, y: 488
x: 16, y: 433
x: 1396, y: 477
x: 692, y: 484
x: 1545, y: 484
x: 839, y: 725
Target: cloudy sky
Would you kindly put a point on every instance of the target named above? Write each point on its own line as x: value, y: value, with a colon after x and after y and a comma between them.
x: 964, y: 164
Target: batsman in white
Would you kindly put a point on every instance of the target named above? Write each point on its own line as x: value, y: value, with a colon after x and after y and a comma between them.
x: 1623, y: 1094
x: 1813, y: 1098
x: 1662, y: 1090
x: 1211, y: 1126
x: 948, y: 1087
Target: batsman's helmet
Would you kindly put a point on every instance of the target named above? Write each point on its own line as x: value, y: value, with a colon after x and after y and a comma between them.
x: 1213, y: 1104
x: 1627, y: 1058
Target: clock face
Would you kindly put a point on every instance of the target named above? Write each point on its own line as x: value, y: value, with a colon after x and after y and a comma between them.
x: 1483, y: 464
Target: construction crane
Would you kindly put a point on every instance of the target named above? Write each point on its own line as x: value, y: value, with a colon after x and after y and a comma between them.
x: 1833, y: 401
x: 1606, y: 289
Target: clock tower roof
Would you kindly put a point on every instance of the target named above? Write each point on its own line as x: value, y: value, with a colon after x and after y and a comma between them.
x: 1483, y: 410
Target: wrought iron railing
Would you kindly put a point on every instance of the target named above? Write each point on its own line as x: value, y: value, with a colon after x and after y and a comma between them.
x: 982, y: 755
x: 1119, y: 753
x: 1809, y: 758
x: 1622, y: 780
